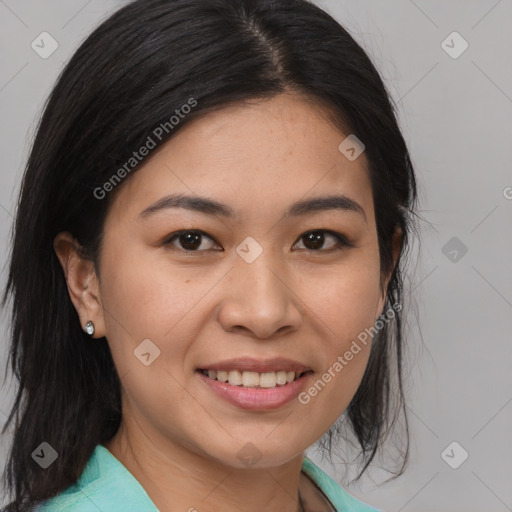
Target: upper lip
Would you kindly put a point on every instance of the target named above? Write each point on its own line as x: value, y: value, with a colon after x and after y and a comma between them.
x: 249, y: 364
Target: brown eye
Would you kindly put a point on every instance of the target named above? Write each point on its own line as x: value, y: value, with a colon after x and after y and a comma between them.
x: 315, y: 240
x: 189, y: 240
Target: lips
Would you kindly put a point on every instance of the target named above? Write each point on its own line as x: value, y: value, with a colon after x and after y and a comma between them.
x: 256, y: 398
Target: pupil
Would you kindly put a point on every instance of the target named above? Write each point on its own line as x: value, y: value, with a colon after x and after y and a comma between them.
x: 316, y: 238
x: 189, y: 240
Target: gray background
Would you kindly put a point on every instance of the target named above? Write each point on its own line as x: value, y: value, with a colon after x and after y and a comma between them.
x: 456, y: 115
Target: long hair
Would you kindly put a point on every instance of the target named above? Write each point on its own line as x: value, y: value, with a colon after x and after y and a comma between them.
x: 129, y: 76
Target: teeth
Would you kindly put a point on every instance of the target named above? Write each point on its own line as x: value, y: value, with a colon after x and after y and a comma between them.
x: 235, y: 378
x: 252, y: 379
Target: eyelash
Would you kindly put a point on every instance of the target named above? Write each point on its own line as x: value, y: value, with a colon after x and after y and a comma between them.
x: 342, y: 240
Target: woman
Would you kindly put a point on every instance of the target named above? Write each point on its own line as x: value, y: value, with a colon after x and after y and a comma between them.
x: 206, y: 272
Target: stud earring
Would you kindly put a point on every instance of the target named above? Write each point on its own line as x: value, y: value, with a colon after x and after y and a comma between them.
x: 89, y: 328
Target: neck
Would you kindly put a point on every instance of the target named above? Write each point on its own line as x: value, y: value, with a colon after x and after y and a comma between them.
x: 177, y: 478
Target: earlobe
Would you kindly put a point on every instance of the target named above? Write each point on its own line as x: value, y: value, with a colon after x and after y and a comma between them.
x: 82, y: 283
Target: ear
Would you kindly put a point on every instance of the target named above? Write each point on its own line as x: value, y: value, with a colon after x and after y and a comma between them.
x: 396, y: 245
x: 82, y: 281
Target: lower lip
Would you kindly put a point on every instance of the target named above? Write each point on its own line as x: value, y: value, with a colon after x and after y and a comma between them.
x: 258, y: 399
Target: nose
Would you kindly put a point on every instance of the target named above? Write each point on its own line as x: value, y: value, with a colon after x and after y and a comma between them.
x: 259, y: 299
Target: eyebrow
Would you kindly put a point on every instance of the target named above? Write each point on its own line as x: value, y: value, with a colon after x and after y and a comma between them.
x: 214, y: 208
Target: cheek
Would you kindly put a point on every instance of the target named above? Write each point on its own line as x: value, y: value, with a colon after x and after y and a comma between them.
x: 145, y: 293
x: 346, y: 300
x: 344, y: 311
x: 147, y: 299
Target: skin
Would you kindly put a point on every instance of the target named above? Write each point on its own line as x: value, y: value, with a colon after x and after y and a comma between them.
x: 178, y: 438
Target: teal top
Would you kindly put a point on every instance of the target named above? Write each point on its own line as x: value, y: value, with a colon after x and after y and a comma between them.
x: 106, y: 485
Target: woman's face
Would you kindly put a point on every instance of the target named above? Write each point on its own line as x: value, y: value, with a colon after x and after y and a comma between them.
x: 252, y: 285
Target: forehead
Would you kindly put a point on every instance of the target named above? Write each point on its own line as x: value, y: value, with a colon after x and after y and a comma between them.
x: 255, y: 156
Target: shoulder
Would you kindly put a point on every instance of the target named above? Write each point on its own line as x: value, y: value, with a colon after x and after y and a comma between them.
x: 337, y: 495
x: 106, y: 485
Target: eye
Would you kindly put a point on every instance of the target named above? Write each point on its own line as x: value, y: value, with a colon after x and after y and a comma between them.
x: 190, y: 241
x: 316, y: 239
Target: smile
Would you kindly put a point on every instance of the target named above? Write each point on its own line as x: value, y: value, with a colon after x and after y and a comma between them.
x: 262, y: 392
x: 253, y: 379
